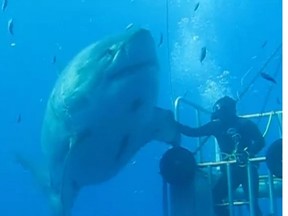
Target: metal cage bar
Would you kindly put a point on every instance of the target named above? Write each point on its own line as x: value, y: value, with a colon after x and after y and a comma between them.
x: 251, y: 202
x: 209, y: 165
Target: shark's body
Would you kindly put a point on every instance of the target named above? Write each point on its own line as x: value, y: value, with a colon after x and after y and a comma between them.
x: 100, y: 113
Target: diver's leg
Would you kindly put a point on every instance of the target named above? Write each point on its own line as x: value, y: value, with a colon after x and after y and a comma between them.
x: 255, y: 188
x: 220, y: 190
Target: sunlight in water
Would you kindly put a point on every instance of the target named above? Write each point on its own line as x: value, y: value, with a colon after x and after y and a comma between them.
x: 205, y: 78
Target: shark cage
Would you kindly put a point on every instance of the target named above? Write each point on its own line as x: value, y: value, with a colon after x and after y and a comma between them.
x: 188, y: 180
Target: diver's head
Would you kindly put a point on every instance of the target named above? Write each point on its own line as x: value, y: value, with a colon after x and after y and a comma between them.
x: 224, y: 109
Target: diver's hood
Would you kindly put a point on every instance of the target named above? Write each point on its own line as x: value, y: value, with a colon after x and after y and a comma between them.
x: 224, y: 108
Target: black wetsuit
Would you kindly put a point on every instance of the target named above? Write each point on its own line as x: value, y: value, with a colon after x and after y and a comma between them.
x: 237, y: 133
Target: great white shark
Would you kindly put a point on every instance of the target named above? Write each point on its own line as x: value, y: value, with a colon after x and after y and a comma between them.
x: 101, y: 111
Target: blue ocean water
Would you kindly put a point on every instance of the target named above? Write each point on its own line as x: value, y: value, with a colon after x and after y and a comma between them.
x: 239, y: 36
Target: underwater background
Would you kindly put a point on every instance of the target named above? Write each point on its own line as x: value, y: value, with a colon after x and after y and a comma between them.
x: 240, y: 38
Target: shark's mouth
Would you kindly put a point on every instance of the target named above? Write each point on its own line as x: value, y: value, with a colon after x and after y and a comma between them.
x: 131, y: 70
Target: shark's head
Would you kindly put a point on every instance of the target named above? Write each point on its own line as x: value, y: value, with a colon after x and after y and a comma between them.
x: 126, y: 54
x: 113, y: 66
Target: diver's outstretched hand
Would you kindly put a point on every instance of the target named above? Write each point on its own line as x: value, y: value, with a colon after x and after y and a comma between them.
x: 165, y: 127
x: 174, y: 130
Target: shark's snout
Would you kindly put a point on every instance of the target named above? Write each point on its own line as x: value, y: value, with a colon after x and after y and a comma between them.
x: 134, y: 53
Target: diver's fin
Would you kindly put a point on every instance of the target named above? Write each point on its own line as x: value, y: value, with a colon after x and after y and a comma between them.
x: 164, y: 127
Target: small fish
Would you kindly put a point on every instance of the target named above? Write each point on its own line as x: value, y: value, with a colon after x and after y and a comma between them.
x: 264, y: 44
x: 4, y: 5
x: 268, y: 77
x: 129, y: 26
x: 11, y: 26
x: 160, y: 40
x: 19, y: 119
x: 203, y: 54
x: 54, y: 59
x: 196, y: 6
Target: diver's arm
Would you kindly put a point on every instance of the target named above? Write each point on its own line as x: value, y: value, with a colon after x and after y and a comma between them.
x: 258, y: 141
x: 205, y: 130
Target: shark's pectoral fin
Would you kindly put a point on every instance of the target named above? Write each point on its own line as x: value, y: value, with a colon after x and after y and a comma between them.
x: 164, y: 127
x: 41, y: 175
x: 38, y: 170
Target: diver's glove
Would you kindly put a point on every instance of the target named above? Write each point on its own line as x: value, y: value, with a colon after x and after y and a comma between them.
x: 242, y: 157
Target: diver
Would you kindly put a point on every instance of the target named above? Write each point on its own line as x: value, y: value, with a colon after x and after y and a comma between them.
x: 239, y: 139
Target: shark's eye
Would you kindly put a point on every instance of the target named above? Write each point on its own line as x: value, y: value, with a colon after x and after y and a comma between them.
x: 112, y: 50
x: 110, y: 53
